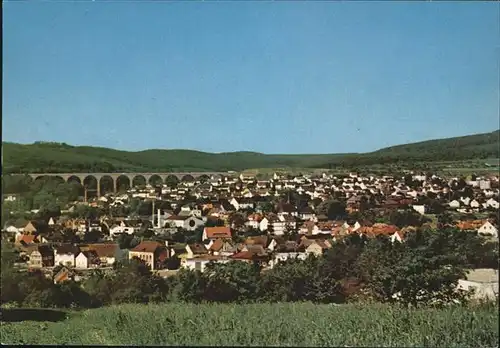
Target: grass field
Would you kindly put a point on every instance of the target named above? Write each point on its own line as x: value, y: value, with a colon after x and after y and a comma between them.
x: 299, y: 324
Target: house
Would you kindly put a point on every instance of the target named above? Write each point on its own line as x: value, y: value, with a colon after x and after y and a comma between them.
x: 65, y: 255
x: 199, y: 263
x: 35, y: 227
x: 315, y: 246
x: 41, y: 256
x: 63, y: 275
x: 253, y: 221
x: 492, y: 203
x: 309, y: 228
x: 242, y: 203
x: 488, y: 229
x: 222, y: 247
x: 419, y: 208
x: 86, y: 259
x: 278, y: 225
x: 151, y: 252
x: 306, y: 213
x: 470, y: 225
x: 187, y: 222
x: 24, y: 239
x: 14, y: 228
x: 195, y: 249
x: 353, y: 204
x: 287, y: 209
x: 483, y: 281
x: 106, y: 252
x: 398, y: 236
x: 286, y: 251
x: 213, y: 233
x: 250, y: 257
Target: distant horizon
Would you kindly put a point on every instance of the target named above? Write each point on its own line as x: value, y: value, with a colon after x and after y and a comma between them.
x: 242, y: 151
x: 265, y: 77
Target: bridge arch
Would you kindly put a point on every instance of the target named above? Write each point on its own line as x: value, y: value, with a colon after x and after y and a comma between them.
x: 203, y: 178
x: 122, y: 183
x: 187, y: 178
x: 171, y: 180
x: 106, y: 184
x: 74, y: 178
x: 91, y: 187
x: 139, y: 180
x: 155, y: 180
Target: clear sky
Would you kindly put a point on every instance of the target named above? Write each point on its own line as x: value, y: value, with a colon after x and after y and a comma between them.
x: 272, y: 77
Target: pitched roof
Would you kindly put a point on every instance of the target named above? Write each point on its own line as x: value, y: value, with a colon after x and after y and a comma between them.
x: 90, y: 254
x: 105, y: 249
x: 147, y: 246
x: 27, y: 239
x: 198, y: 248
x: 258, y: 240
x: 218, y: 232
x: 67, y: 249
x: 247, y: 255
x: 217, y: 245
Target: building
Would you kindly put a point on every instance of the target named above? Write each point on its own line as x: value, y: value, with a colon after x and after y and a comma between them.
x: 213, y: 233
x: 150, y: 252
x: 65, y: 255
x: 42, y: 256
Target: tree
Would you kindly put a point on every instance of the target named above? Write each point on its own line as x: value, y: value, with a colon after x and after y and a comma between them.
x: 188, y: 286
x: 422, y: 271
x: 172, y: 263
x: 230, y: 282
x: 336, y: 210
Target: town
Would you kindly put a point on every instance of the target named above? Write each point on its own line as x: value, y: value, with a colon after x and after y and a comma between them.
x: 248, y: 218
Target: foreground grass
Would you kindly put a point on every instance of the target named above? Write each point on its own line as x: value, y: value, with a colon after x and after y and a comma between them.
x: 301, y: 324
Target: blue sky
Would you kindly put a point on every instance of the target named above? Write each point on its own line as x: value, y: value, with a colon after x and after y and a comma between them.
x: 272, y: 77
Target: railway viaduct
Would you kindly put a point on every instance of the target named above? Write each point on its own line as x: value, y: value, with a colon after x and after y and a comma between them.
x: 81, y: 177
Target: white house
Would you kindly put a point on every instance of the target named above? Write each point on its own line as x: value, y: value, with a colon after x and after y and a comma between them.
x: 65, y: 255
x: 474, y: 204
x: 283, y: 256
x: 483, y: 281
x: 124, y: 227
x: 264, y: 224
x: 465, y: 200
x: 201, y: 262
x: 86, y: 259
x: 419, y: 208
x: 488, y: 229
x: 493, y: 203
x: 189, y: 223
x: 454, y: 204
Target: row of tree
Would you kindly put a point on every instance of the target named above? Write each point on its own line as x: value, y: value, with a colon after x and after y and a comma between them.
x: 423, y: 270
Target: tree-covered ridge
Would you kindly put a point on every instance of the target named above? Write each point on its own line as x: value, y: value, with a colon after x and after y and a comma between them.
x: 56, y: 157
x: 477, y: 146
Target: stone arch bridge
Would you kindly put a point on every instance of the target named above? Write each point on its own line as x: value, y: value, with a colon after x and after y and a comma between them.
x: 130, y: 176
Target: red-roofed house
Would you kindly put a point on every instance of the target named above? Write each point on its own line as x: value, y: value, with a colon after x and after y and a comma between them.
x: 150, y: 252
x: 213, y: 233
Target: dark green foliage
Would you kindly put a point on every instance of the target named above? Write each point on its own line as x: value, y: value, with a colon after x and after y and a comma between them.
x: 424, y: 270
x: 41, y: 157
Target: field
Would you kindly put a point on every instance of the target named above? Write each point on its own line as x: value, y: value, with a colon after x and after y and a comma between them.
x: 299, y: 324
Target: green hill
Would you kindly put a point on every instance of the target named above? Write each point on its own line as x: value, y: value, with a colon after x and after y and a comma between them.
x: 56, y: 157
x: 471, y: 147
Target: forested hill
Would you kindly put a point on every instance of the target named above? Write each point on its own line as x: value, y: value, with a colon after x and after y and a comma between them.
x: 56, y: 157
x: 477, y: 146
